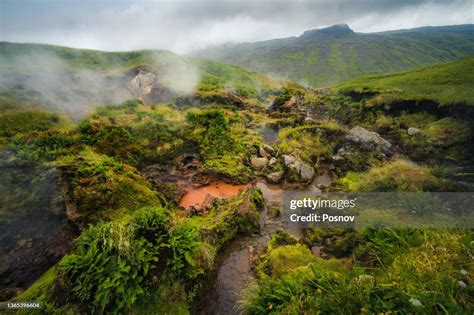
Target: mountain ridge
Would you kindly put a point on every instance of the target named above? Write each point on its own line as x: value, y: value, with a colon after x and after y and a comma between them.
x: 340, y: 55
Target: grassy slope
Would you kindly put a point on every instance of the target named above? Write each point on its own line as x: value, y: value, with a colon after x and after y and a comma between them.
x: 450, y: 83
x: 51, y: 67
x: 329, y: 60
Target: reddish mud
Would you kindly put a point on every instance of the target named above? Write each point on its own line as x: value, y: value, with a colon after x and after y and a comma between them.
x: 197, y: 196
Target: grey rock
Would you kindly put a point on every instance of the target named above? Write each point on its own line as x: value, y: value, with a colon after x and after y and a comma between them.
x: 258, y: 163
x: 269, y: 149
x: 272, y: 161
x: 143, y: 83
x: 262, y: 152
x: 289, y: 159
x: 275, y: 177
x: 343, y: 152
x: 413, y: 131
x: 369, y: 140
x: 306, y: 171
x: 309, y: 120
x: 323, y: 181
x: 316, y: 250
x: 337, y: 158
x: 323, y: 91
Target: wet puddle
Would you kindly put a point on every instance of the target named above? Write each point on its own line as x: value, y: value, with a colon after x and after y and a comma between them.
x: 269, y: 133
x: 197, y: 196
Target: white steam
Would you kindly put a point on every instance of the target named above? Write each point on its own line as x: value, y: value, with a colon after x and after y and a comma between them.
x: 178, y: 74
x: 77, y: 89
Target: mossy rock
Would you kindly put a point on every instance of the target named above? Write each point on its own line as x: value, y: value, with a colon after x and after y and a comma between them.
x: 281, y: 238
x: 229, y: 217
x: 103, y: 188
x: 284, y: 259
x: 336, y: 242
x: 274, y: 212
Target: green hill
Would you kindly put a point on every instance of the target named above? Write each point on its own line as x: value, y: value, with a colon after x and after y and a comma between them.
x: 336, y: 54
x: 74, y: 80
x: 446, y: 84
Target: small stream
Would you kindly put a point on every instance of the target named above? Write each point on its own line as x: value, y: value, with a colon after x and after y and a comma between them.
x: 269, y: 133
x: 235, y: 261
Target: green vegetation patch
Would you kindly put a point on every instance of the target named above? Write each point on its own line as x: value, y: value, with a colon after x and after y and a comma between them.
x: 223, y: 146
x: 312, y: 143
x: 112, y: 261
x: 446, y: 84
x: 103, y: 185
x: 416, y: 271
x: 28, y: 120
x: 397, y: 175
x: 284, y: 259
x: 228, y: 218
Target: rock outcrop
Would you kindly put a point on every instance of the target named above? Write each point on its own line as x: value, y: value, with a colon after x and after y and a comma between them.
x: 36, y: 234
x: 305, y: 171
x: 369, y: 140
x: 144, y: 85
x: 258, y: 162
x: 413, y: 131
x: 361, y: 149
x: 275, y: 177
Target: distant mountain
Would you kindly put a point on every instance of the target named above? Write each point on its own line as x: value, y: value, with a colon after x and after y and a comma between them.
x: 335, y: 54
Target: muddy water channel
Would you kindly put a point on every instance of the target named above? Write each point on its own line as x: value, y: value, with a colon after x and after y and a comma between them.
x: 235, y: 271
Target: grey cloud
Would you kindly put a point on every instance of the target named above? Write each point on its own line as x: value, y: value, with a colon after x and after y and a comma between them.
x: 183, y: 25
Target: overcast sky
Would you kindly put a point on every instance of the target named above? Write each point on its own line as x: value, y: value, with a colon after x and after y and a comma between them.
x: 184, y: 25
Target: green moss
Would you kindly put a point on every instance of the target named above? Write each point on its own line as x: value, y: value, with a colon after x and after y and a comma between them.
x: 136, y: 135
x: 102, y: 185
x: 348, y: 182
x: 230, y: 166
x: 185, y: 244
x: 40, y: 290
x: 360, y: 160
x: 169, y: 299
x: 257, y: 198
x: 223, y: 142
x: 229, y: 217
x: 42, y: 146
x: 336, y: 242
x: 28, y: 120
x: 281, y: 238
x: 312, y: 143
x: 284, y: 259
x: 397, y: 175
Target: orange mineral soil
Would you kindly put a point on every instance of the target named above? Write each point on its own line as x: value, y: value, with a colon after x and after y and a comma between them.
x: 218, y: 190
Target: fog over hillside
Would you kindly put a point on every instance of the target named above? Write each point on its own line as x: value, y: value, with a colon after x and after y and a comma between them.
x: 75, y: 81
